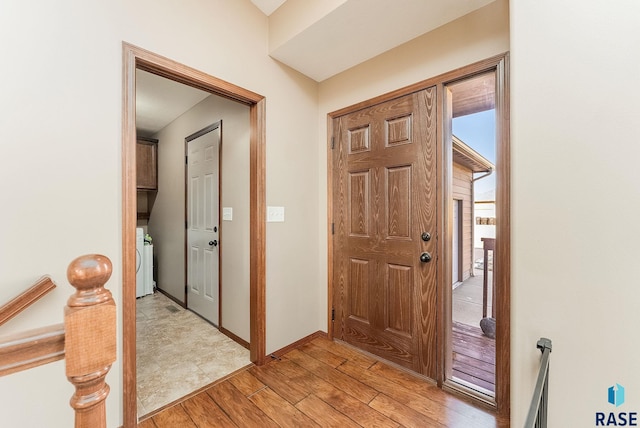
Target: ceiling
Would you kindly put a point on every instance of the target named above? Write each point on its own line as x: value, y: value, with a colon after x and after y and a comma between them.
x: 327, y: 44
x: 160, y: 101
x: 331, y: 40
x: 268, y: 6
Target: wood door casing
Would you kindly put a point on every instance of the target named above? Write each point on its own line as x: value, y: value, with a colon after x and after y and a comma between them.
x: 137, y: 58
x: 384, y: 197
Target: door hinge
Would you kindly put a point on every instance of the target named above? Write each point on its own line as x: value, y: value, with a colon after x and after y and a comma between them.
x: 186, y: 160
x: 333, y: 228
x: 333, y: 314
x: 333, y: 143
x: 186, y: 224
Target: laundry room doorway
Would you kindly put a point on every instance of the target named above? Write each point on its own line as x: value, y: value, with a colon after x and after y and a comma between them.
x: 136, y: 60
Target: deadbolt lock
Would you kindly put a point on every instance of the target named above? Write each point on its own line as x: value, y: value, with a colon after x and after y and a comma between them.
x: 426, y: 236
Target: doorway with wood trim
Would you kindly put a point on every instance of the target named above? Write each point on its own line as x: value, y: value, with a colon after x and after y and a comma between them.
x: 471, y: 363
x: 137, y: 58
x: 391, y: 232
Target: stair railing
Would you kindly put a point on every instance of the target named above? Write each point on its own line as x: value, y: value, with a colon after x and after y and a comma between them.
x: 26, y: 298
x: 537, y: 417
x: 86, y: 340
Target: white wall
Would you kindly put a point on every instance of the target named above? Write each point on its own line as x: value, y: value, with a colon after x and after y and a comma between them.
x: 166, y: 224
x: 61, y: 114
x: 574, y: 127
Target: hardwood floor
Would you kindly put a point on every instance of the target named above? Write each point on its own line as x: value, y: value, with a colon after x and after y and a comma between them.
x: 324, y: 384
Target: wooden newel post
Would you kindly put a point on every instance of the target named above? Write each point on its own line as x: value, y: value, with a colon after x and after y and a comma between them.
x: 90, y: 338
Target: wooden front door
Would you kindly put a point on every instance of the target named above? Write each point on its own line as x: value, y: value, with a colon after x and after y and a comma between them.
x: 384, y: 184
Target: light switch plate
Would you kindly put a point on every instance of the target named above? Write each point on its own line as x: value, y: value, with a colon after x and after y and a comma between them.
x: 275, y: 214
x: 227, y: 213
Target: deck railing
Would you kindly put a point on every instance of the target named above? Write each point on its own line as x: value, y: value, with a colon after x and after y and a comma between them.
x: 86, y: 340
x: 537, y: 417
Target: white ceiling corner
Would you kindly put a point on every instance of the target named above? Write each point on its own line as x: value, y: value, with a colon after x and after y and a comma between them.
x: 359, y: 30
x: 268, y: 6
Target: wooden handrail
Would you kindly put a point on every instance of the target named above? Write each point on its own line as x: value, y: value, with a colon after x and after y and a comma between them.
x: 86, y: 340
x: 33, y: 348
x: 90, y: 338
x: 26, y: 298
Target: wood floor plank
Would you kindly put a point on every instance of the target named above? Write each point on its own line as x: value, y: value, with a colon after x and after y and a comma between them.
x: 147, y: 423
x: 246, y: 383
x: 472, y: 370
x: 238, y: 407
x: 402, y: 414
x: 280, y: 410
x: 442, y: 399
x: 322, y: 354
x: 346, y: 403
x: 323, y: 414
x: 205, y: 413
x: 346, y: 352
x: 408, y: 397
x: 473, y: 356
x: 475, y: 381
x: 465, y: 347
x: 303, y: 378
x: 172, y: 417
x: 482, y: 365
x: 482, y: 349
x: 358, y: 411
x: 469, y: 330
x: 284, y: 387
x: 326, y: 372
x: 408, y: 380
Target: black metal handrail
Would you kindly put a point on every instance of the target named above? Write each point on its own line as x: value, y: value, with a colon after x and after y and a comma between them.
x: 537, y: 417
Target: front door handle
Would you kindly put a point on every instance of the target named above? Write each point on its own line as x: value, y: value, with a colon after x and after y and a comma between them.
x: 425, y: 257
x: 214, y: 243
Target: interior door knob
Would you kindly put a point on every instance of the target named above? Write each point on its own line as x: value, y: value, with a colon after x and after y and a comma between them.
x: 425, y: 257
x: 214, y: 243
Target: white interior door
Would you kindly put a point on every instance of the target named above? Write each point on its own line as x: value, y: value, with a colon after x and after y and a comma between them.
x: 203, y: 154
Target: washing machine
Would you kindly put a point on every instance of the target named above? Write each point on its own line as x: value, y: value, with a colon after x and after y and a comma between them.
x: 147, y: 262
x: 140, y: 268
x: 144, y: 265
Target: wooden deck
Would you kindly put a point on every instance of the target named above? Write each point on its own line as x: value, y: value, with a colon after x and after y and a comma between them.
x: 474, y: 357
x: 323, y: 383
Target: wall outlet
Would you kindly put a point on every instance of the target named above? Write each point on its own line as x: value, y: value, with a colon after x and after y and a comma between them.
x: 275, y: 214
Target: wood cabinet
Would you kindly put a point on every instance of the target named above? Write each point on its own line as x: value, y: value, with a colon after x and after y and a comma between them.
x: 146, y: 175
x: 147, y: 164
